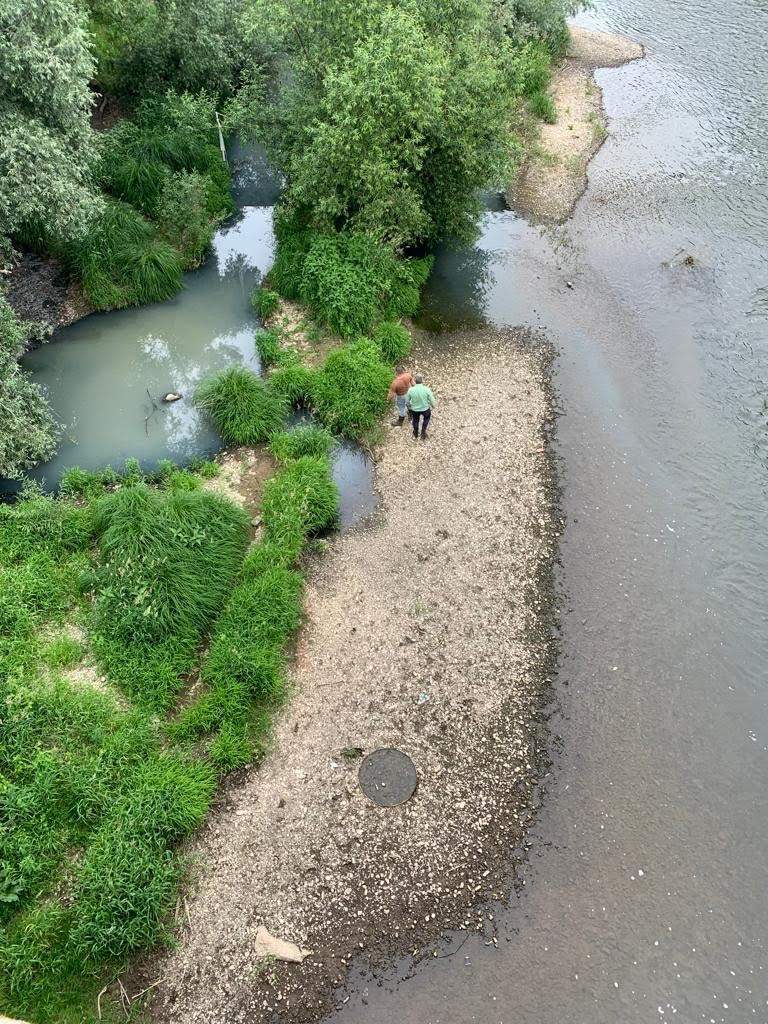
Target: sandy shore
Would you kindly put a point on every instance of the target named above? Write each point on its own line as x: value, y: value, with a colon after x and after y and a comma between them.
x: 555, y: 175
x: 430, y: 630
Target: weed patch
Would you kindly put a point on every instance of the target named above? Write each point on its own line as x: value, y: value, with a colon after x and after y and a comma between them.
x: 350, y: 391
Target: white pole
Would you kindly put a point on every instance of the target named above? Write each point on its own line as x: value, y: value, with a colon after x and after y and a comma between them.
x: 221, y: 140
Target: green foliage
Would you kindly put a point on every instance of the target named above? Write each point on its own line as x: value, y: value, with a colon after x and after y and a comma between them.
x: 290, y: 445
x: 182, y: 215
x: 393, y: 341
x: 46, y: 145
x: 540, y: 20
x: 122, y: 262
x: 265, y: 302
x: 167, y: 561
x: 531, y: 69
x: 268, y: 345
x: 294, y: 384
x: 244, y: 409
x: 350, y: 391
x: 147, y: 47
x: 62, y: 652
x: 28, y: 432
x: 542, y: 105
x: 304, y: 492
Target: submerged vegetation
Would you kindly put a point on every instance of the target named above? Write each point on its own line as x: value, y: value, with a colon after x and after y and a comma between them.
x: 142, y: 638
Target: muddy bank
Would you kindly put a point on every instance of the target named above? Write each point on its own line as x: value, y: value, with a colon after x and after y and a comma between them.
x: 555, y: 175
x: 42, y: 291
x: 429, y: 630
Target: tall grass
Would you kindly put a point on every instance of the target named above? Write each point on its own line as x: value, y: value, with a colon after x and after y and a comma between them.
x: 350, y: 391
x: 393, y: 341
x: 244, y: 409
x: 290, y: 445
x: 167, y: 562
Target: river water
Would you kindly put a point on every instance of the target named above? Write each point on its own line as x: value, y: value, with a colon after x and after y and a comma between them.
x: 646, y: 897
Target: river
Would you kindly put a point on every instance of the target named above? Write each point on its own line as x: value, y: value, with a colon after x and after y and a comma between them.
x: 646, y: 897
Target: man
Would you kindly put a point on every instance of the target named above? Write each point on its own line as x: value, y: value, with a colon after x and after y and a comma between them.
x: 398, y: 390
x: 421, y: 402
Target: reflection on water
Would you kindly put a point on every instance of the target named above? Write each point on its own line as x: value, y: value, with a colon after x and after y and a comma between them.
x: 106, y: 374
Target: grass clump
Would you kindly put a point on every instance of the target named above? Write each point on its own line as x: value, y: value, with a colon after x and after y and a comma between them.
x: 350, y: 391
x: 294, y: 384
x: 244, y: 409
x: 393, y: 341
x: 265, y: 302
x: 290, y: 445
x: 543, y: 106
x: 302, y: 493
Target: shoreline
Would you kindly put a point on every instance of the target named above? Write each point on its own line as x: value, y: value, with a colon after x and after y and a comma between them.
x: 554, y: 177
x: 456, y: 677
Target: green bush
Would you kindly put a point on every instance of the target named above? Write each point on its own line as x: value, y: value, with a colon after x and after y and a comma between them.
x: 265, y: 302
x: 542, y: 105
x: 268, y: 346
x: 393, y: 341
x: 183, y: 217
x: 294, y: 384
x: 532, y: 68
x: 28, y: 432
x: 290, y: 445
x: 350, y: 391
x: 241, y: 405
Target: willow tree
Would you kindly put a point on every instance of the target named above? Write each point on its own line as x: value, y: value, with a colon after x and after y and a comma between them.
x: 391, y: 116
x: 46, y: 147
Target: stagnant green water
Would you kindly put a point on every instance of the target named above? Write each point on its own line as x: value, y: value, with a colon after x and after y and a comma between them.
x: 106, y: 374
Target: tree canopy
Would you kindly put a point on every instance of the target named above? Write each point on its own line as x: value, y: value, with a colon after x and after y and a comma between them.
x: 46, y: 144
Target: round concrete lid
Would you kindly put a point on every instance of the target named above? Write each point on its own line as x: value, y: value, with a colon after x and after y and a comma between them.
x: 388, y: 777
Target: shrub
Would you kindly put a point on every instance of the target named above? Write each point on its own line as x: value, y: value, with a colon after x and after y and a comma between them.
x: 302, y: 493
x: 241, y: 405
x: 182, y: 215
x: 532, y: 68
x: 265, y: 302
x: 350, y: 391
x: 28, y: 432
x: 122, y: 262
x: 393, y: 341
x: 542, y: 105
x: 294, y: 384
x: 290, y: 445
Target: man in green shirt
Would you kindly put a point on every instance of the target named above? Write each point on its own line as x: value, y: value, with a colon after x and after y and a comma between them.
x: 421, y: 402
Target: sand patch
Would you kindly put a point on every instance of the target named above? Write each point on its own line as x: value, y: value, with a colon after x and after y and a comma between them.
x: 555, y: 175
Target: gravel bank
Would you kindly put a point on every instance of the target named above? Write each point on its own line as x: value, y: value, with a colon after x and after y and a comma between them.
x: 554, y: 177
x: 430, y: 630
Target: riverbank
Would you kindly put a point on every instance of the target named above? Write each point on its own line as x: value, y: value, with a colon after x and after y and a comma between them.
x: 554, y: 175
x: 429, y: 630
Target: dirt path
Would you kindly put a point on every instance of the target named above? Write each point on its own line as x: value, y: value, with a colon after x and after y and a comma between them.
x: 554, y: 177
x: 428, y: 630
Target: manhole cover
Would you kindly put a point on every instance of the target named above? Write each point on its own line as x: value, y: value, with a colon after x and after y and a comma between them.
x: 388, y: 777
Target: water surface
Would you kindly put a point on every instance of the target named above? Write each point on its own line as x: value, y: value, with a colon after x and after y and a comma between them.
x: 646, y: 897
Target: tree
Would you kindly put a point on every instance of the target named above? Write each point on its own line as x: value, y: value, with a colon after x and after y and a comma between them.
x: 46, y: 147
x: 28, y: 434
x: 391, y: 117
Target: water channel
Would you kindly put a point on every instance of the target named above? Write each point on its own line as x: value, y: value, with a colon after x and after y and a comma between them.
x: 646, y: 897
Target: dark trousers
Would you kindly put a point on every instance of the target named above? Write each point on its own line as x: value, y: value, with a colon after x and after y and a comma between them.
x: 416, y: 416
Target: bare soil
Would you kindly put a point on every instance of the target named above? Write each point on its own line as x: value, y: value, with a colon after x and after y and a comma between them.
x: 555, y: 174
x: 430, y: 630
x: 41, y: 290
